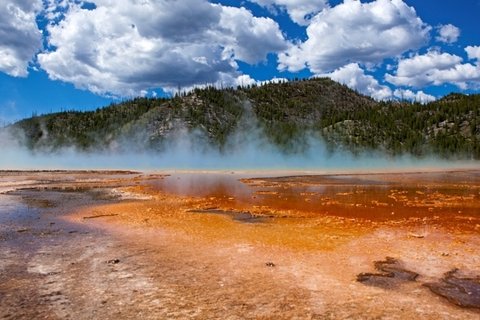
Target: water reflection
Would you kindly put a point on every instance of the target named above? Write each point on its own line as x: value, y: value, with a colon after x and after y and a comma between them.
x: 381, y: 197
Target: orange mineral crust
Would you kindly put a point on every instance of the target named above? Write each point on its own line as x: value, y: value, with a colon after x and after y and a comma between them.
x: 304, y: 208
x: 241, y: 245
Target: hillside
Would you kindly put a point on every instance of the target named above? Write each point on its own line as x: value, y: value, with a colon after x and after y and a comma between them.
x: 287, y: 114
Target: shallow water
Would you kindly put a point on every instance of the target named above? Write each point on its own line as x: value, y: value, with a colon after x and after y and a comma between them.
x: 452, y: 197
x: 14, y: 211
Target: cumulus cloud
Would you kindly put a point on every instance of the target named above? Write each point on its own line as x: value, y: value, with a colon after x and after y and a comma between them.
x: 473, y: 52
x: 121, y: 48
x: 353, y: 76
x: 300, y: 11
x: 20, y: 38
x: 448, y: 33
x: 249, y: 38
x: 54, y: 9
x: 245, y: 80
x: 419, y: 96
x: 356, y: 32
x: 436, y: 68
x: 273, y: 80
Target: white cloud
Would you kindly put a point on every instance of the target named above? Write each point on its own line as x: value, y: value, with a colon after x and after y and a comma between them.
x: 124, y: 47
x: 274, y: 80
x: 448, y: 33
x: 249, y: 38
x: 418, y: 96
x: 473, y: 52
x: 245, y: 80
x: 356, y: 32
x: 300, y: 11
x: 435, y: 68
x: 53, y: 9
x: 20, y: 37
x: 353, y: 76
x: 225, y: 80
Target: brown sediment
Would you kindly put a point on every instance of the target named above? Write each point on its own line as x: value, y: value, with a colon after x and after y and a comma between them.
x: 99, y: 216
x: 462, y: 291
x: 233, y: 224
x: 309, y: 212
x: 242, y: 216
x: 392, y: 273
x: 183, y: 246
x: 70, y: 181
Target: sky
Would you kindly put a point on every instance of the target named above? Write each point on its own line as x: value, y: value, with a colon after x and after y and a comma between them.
x: 76, y: 55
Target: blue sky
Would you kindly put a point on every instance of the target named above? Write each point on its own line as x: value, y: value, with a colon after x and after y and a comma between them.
x: 70, y: 54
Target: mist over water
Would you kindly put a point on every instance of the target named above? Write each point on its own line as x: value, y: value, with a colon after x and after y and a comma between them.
x: 245, y: 151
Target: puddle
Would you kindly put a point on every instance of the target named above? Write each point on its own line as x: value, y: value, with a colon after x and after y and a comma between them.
x: 13, y: 210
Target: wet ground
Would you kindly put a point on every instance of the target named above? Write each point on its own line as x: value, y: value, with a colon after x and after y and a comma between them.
x: 86, y: 245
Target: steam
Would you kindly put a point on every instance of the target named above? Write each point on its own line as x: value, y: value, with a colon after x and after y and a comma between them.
x: 246, y: 149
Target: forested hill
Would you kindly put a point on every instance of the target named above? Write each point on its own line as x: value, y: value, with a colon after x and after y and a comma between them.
x: 287, y: 114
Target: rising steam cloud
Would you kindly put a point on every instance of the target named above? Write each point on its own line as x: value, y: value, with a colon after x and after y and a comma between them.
x: 246, y: 149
